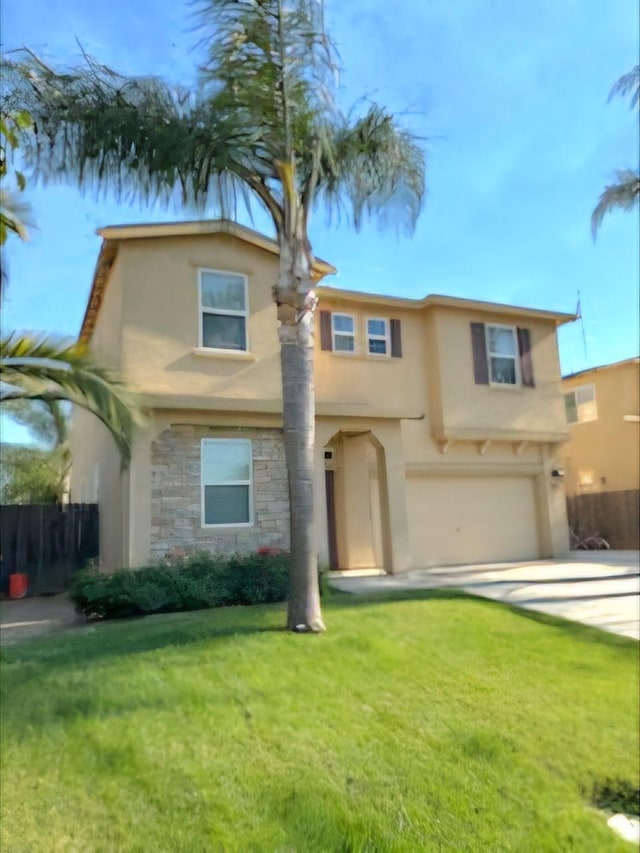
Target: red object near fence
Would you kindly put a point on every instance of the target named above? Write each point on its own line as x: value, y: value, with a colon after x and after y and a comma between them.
x: 18, y: 585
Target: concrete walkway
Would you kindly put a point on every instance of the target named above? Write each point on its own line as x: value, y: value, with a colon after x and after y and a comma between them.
x: 598, y: 588
x: 31, y: 617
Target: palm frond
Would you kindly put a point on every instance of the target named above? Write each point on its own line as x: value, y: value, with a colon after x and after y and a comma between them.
x: 16, y: 216
x: 44, y: 369
x: 270, y: 64
x: 624, y: 194
x: 137, y: 137
x: 628, y: 83
x: 265, y: 107
x: 377, y: 167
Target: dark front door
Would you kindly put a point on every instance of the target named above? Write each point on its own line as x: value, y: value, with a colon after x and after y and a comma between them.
x: 329, y: 480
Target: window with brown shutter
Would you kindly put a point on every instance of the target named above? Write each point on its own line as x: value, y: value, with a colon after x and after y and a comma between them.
x: 526, y: 362
x: 343, y: 333
x: 479, y: 350
x: 501, y: 355
x: 396, y: 338
x: 378, y: 336
x: 325, y: 330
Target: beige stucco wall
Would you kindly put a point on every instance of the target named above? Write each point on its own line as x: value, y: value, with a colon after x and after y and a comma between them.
x: 97, y: 477
x: 467, y: 407
x: 161, y: 319
x: 96, y: 474
x: 373, y: 383
x: 602, y: 455
x: 106, y: 341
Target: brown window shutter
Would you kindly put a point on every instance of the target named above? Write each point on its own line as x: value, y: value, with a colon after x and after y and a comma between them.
x: 396, y: 338
x: 526, y: 362
x: 479, y: 349
x: 325, y: 331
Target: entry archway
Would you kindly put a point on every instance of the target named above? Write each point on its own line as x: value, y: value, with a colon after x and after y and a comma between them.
x: 357, y: 499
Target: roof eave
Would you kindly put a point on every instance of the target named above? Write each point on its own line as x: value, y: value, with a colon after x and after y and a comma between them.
x: 436, y: 300
x: 600, y: 367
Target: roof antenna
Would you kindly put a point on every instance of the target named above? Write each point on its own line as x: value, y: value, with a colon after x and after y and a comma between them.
x: 580, y: 317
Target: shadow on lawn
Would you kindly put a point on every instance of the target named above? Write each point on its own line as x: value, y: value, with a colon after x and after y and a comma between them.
x: 88, y: 645
x: 136, y: 635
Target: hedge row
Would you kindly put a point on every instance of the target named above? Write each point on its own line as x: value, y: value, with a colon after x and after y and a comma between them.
x: 190, y: 583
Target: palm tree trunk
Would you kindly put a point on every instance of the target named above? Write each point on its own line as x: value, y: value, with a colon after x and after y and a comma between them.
x: 296, y: 303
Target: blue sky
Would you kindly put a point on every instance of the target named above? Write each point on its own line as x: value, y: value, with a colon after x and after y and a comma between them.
x: 512, y: 98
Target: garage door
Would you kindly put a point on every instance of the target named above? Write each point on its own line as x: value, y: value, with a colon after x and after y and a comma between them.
x: 455, y: 520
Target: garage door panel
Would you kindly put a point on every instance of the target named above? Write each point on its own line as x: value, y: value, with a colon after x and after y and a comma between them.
x: 456, y: 520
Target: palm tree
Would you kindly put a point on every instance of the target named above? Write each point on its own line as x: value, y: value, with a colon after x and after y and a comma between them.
x: 50, y: 371
x: 624, y: 193
x: 263, y: 124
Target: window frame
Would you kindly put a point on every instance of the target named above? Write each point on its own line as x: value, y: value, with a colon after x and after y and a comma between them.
x: 225, y: 312
x: 386, y: 337
x: 574, y: 393
x: 515, y: 357
x: 249, y: 483
x: 351, y: 335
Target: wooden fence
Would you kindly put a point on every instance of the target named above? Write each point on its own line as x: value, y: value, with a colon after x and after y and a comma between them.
x: 48, y: 542
x: 614, y: 515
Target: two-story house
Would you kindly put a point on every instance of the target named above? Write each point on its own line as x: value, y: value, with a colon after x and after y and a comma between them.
x: 438, y: 421
x: 602, y: 456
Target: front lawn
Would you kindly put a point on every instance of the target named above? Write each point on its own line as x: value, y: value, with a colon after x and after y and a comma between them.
x: 433, y: 722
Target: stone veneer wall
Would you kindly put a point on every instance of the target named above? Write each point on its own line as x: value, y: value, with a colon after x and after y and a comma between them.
x: 176, y: 515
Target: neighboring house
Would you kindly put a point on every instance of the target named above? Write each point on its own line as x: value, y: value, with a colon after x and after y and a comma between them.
x: 439, y: 421
x: 601, y: 457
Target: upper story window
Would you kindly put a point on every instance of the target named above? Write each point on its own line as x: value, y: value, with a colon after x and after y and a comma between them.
x: 377, y: 336
x: 223, y: 310
x: 502, y: 355
x: 580, y: 404
x: 343, y: 329
x: 341, y: 333
x: 226, y: 482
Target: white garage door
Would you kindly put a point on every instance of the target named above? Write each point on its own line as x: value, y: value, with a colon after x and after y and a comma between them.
x: 455, y: 520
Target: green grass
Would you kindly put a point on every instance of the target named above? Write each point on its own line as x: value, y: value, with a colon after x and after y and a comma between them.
x: 434, y: 722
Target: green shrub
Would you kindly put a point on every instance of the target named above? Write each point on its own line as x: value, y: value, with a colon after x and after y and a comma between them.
x: 187, y: 582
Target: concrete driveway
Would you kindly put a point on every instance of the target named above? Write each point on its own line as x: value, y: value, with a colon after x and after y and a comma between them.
x: 598, y: 588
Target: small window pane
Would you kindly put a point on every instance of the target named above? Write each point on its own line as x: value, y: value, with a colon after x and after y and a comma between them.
x: 571, y: 408
x: 222, y: 331
x: 503, y: 371
x: 377, y: 347
x: 501, y: 341
x: 377, y: 327
x: 222, y: 463
x: 343, y: 343
x: 342, y: 323
x: 220, y: 290
x: 226, y: 505
x: 585, y: 393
